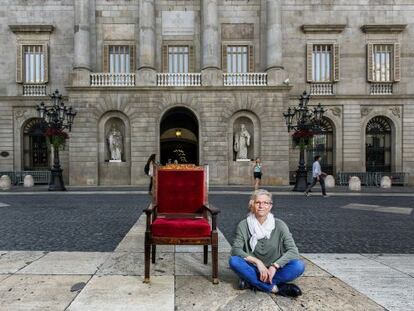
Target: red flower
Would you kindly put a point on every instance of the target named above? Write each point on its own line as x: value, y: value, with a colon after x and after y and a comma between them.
x: 302, y: 134
x: 50, y: 132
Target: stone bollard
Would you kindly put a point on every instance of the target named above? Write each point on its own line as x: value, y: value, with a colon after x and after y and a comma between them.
x: 354, y: 184
x: 5, y: 182
x: 386, y: 182
x: 329, y: 181
x: 28, y: 181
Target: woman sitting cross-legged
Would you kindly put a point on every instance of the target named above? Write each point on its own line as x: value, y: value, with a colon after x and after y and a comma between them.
x: 264, y: 254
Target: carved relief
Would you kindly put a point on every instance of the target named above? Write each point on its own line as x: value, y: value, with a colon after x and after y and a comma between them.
x: 336, y: 111
x: 396, y: 111
x: 20, y: 113
x: 365, y: 111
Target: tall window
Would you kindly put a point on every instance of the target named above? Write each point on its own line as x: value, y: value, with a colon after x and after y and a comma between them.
x: 237, y: 59
x: 178, y: 59
x: 323, y: 145
x: 34, y: 64
x: 382, y: 60
x: 322, y: 63
x: 119, y: 59
x: 378, y: 145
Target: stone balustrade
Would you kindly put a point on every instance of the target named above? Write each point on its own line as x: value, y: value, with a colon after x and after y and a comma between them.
x: 381, y: 88
x: 34, y: 89
x: 179, y: 79
x: 112, y: 79
x: 322, y: 89
x: 245, y: 79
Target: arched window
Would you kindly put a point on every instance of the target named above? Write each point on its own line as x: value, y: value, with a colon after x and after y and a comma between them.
x: 322, y: 145
x: 35, y: 151
x: 378, y: 145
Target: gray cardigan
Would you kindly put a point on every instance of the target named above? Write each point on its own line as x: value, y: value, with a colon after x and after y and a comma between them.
x: 279, y: 249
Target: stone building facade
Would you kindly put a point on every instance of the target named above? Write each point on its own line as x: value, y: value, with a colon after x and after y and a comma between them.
x: 178, y: 78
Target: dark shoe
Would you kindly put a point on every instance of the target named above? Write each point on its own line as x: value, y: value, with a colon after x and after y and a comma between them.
x: 289, y: 290
x: 243, y: 284
x: 306, y: 194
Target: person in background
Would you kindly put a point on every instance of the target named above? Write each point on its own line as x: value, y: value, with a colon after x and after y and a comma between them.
x: 264, y: 254
x: 257, y: 173
x: 317, y: 175
x: 151, y: 163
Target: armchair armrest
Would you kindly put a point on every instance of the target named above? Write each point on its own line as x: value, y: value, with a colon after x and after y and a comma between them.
x: 214, y: 212
x: 150, y: 211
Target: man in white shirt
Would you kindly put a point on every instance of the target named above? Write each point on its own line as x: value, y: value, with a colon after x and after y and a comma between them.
x: 317, y: 175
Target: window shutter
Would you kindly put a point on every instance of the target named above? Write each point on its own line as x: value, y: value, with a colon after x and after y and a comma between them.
x: 397, y: 71
x: 191, y: 59
x: 19, y: 63
x: 251, y: 58
x: 309, y: 64
x: 132, y: 58
x: 45, y: 50
x: 106, y: 58
x: 165, y: 58
x: 370, y: 74
x: 224, y: 58
x: 336, y: 65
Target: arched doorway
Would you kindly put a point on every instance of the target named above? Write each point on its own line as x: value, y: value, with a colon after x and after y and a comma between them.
x: 35, y: 151
x: 378, y: 145
x: 179, y: 137
x: 323, y: 145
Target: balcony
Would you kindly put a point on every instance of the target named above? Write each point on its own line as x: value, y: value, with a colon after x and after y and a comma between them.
x: 322, y: 89
x: 112, y: 79
x: 381, y: 89
x: 34, y: 89
x: 245, y: 79
x: 179, y: 79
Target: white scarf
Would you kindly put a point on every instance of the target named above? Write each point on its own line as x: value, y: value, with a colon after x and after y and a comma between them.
x: 260, y: 231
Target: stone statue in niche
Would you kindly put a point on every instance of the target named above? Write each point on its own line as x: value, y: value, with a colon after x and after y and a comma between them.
x: 241, y: 142
x: 115, y: 144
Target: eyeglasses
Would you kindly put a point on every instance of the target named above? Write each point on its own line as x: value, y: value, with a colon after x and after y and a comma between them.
x: 264, y: 203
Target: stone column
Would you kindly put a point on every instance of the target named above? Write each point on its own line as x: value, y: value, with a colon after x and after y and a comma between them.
x: 82, y: 57
x: 210, y: 45
x: 146, y: 52
x: 274, y: 67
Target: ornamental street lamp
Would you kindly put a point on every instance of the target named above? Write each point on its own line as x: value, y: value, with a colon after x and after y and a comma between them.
x: 304, y: 122
x: 57, y: 117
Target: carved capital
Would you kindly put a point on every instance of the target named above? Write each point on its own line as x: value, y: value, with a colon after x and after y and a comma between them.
x: 19, y: 113
x: 396, y: 111
x: 365, y: 111
x: 336, y: 111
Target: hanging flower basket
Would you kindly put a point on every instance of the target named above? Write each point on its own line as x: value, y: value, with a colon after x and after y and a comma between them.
x: 56, y: 138
x: 302, y: 138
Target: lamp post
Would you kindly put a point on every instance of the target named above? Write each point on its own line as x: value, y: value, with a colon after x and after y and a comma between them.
x: 301, y: 119
x: 57, y: 118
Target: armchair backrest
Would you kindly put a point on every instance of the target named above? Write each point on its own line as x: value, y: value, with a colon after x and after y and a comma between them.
x: 180, y: 190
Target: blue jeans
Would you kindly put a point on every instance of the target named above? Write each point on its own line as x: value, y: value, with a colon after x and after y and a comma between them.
x: 251, y: 275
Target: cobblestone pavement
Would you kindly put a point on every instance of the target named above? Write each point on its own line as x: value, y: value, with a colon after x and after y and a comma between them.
x: 98, y: 221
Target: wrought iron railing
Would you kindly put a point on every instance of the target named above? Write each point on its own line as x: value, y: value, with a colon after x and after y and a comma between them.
x: 112, y: 79
x: 179, y: 79
x: 34, y: 89
x: 17, y: 177
x: 372, y: 178
x: 245, y: 79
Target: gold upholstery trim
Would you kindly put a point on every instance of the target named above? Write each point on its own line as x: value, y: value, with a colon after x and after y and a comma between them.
x: 181, y: 167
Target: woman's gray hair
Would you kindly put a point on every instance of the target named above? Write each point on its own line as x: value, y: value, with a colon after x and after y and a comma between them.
x: 257, y: 193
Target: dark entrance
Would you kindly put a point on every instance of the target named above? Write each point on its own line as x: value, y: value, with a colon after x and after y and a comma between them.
x: 35, y: 151
x: 179, y: 137
x: 378, y: 145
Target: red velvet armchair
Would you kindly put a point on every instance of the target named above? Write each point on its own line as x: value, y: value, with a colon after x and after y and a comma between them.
x: 179, y: 213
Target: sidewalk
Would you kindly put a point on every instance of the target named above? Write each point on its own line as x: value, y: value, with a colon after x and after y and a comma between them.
x: 180, y: 281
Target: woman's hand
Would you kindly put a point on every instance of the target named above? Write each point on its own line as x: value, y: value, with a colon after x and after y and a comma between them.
x: 271, y: 273
x: 264, y: 272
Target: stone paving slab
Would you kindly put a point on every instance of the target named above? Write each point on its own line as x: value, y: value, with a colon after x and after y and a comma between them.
x: 4, y: 276
x: 13, y: 261
x: 67, y: 263
x: 126, y: 263
x: 385, y: 284
x: 38, y: 292
x: 116, y: 292
x: 401, y: 262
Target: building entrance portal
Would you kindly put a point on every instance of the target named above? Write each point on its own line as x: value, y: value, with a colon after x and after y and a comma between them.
x: 179, y: 137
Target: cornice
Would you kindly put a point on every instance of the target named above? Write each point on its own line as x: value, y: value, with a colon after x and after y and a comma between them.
x: 31, y: 28
x: 394, y: 28
x: 323, y: 28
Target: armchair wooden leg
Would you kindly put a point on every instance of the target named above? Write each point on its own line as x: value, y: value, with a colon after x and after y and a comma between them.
x: 205, y: 254
x: 214, y: 257
x: 147, y: 264
x: 154, y: 252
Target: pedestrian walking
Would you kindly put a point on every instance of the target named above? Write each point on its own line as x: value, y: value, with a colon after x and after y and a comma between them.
x: 257, y: 173
x: 149, y: 170
x: 318, y: 176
